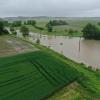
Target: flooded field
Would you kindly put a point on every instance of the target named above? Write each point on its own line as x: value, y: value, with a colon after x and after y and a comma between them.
x: 77, y: 49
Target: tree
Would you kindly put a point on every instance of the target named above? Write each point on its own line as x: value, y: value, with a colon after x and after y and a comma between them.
x: 16, y: 24
x: 31, y: 22
x: 1, y: 27
x: 24, y: 30
x: 91, y: 32
x: 71, y: 31
x: 13, y: 30
x: 99, y: 23
x: 49, y: 28
x: 6, y: 23
x: 38, y: 41
x: 3, y: 31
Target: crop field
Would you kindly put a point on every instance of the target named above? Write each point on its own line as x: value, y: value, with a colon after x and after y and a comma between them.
x: 11, y: 46
x: 33, y: 76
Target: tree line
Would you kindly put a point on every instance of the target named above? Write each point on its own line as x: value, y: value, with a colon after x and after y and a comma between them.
x: 90, y: 31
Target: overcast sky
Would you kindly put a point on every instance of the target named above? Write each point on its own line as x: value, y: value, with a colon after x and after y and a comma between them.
x: 68, y: 8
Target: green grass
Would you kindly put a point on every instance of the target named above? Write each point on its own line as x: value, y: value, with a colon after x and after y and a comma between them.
x: 33, y: 76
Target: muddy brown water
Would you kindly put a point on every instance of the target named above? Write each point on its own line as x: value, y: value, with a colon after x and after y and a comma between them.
x: 77, y: 49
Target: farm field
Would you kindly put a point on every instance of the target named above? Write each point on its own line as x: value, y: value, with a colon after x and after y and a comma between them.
x: 74, y: 24
x: 11, y: 46
x: 33, y: 76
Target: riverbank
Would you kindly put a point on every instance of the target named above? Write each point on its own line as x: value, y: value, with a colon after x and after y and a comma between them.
x: 90, y: 82
x: 90, y: 79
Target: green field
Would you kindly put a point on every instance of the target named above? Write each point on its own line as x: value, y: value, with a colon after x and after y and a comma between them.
x: 33, y: 76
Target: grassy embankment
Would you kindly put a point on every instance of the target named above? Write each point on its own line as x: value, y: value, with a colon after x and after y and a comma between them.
x: 89, y: 81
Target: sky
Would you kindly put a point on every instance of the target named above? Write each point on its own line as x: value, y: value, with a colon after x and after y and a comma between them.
x: 53, y: 8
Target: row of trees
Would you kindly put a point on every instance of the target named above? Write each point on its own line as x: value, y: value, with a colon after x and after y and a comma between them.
x: 19, y: 23
x: 52, y: 23
x: 16, y: 24
x: 30, y: 22
x: 57, y: 22
x: 33, y: 23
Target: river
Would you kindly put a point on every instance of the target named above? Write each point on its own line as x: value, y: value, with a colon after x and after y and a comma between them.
x: 77, y: 49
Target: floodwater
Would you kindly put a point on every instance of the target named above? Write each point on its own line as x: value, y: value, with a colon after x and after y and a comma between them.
x: 77, y: 49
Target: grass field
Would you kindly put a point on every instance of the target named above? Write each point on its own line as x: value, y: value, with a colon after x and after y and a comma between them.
x: 33, y: 76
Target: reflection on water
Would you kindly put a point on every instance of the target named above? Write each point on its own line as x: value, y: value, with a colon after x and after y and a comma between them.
x: 80, y: 50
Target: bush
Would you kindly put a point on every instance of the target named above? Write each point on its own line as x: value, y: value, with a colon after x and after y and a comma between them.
x: 40, y: 28
x: 5, y: 32
x: 71, y: 31
x: 24, y: 30
x: 38, y: 41
x: 91, y: 32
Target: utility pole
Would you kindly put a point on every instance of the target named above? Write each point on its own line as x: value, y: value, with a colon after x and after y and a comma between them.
x: 79, y: 44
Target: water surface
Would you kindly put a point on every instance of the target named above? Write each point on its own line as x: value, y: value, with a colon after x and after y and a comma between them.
x: 79, y: 50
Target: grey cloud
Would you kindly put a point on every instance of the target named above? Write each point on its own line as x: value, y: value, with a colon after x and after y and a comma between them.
x: 49, y: 8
